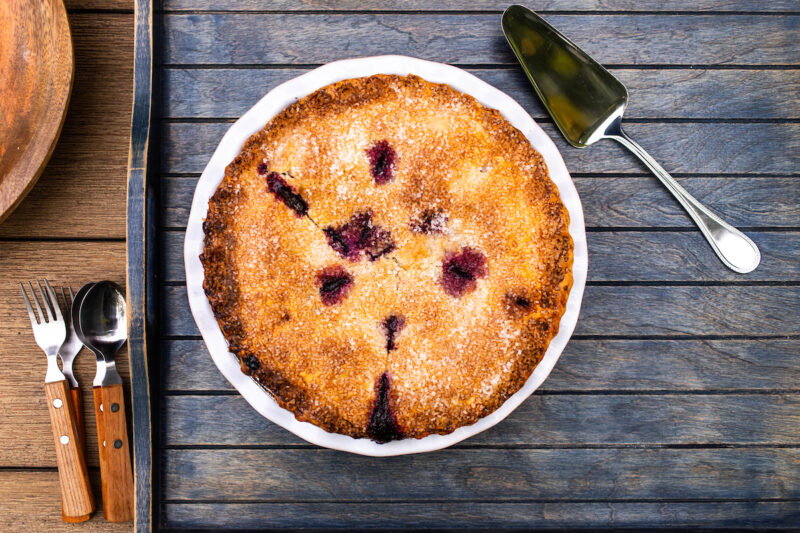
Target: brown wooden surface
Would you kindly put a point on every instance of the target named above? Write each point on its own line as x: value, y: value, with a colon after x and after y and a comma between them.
x: 81, y: 193
x: 70, y: 228
x: 36, y: 46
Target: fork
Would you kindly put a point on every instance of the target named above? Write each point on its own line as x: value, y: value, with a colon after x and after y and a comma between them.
x: 68, y: 351
x: 77, y: 501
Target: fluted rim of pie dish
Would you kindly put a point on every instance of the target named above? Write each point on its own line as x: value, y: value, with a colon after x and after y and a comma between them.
x: 253, y: 121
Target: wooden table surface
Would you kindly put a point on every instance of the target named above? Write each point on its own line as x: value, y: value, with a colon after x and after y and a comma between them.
x: 71, y: 229
x: 677, y: 401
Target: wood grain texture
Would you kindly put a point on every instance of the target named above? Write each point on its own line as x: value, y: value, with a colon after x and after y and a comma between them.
x: 706, y: 148
x: 754, y: 168
x: 140, y: 274
x: 614, y: 202
x: 115, y: 455
x: 625, y: 256
x: 77, y: 500
x: 467, y: 5
x: 81, y: 193
x: 463, y: 474
x: 227, y: 39
x: 483, y: 515
x: 77, y: 405
x: 542, y: 420
x: 31, y: 503
x: 24, y: 426
x: 630, y: 310
x: 99, y: 5
x: 654, y: 94
x: 585, y: 366
x: 37, y: 48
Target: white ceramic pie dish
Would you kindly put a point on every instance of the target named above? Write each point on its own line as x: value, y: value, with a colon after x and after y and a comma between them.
x: 251, y: 122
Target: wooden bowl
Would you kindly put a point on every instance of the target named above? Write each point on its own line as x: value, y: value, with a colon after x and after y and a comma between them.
x: 37, y: 67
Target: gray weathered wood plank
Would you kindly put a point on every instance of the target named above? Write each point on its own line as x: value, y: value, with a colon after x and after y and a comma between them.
x: 747, y: 387
x: 542, y: 420
x: 654, y: 94
x: 258, y: 38
x: 478, y: 474
x: 484, y: 515
x: 467, y: 5
x: 631, y: 311
x: 619, y: 202
x: 625, y: 256
x: 585, y: 365
x: 718, y: 148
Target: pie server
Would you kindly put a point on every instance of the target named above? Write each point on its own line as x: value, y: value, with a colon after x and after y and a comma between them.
x: 587, y: 102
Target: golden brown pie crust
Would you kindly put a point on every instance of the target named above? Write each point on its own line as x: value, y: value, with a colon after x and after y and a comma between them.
x: 457, y: 358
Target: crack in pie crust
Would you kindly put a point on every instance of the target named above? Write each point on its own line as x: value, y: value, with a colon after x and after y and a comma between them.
x: 388, y: 258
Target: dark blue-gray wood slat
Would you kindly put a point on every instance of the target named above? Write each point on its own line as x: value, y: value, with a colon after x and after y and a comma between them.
x: 626, y: 257
x: 142, y: 227
x: 242, y: 38
x: 485, y: 515
x: 542, y: 420
x: 630, y: 311
x: 716, y: 148
x: 474, y: 5
x: 620, y: 202
x: 257, y: 515
x: 284, y: 475
x: 654, y: 94
x: 596, y: 365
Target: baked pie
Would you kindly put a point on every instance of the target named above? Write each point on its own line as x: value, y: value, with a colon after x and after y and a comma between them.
x: 388, y: 258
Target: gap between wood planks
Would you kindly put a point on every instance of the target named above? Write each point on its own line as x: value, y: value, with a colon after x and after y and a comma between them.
x: 541, y: 392
x: 487, y: 66
x: 471, y: 12
x: 481, y: 500
x: 542, y: 120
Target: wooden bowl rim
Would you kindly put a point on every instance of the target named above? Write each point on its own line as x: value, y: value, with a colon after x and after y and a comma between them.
x: 52, y: 122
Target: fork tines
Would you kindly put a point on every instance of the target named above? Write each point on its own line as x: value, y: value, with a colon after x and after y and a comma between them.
x: 49, y: 299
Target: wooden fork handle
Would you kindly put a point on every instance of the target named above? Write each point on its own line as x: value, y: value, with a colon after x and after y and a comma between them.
x: 77, y: 501
x: 76, y: 404
x: 115, y: 455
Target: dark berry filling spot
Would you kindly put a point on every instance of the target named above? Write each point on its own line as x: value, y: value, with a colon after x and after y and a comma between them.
x: 391, y: 327
x: 379, y: 244
x: 334, y: 283
x: 262, y: 169
x: 383, y: 425
x: 461, y: 270
x: 286, y: 194
x: 358, y: 235
x: 430, y: 221
x: 252, y: 362
x: 381, y: 162
x: 519, y: 301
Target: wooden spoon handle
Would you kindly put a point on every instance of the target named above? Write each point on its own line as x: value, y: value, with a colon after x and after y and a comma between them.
x: 76, y: 404
x: 77, y: 501
x: 115, y: 456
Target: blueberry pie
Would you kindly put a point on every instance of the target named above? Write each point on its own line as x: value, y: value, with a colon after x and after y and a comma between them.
x: 388, y: 258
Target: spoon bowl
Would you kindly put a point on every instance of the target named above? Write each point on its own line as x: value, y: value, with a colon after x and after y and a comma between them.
x: 75, y: 311
x: 103, y: 327
x: 103, y: 317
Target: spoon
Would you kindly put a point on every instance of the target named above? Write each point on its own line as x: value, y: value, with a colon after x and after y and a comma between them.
x: 587, y: 102
x: 75, y: 312
x: 103, y: 328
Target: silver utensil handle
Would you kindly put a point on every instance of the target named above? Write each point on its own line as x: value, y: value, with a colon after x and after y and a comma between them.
x: 734, y: 248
